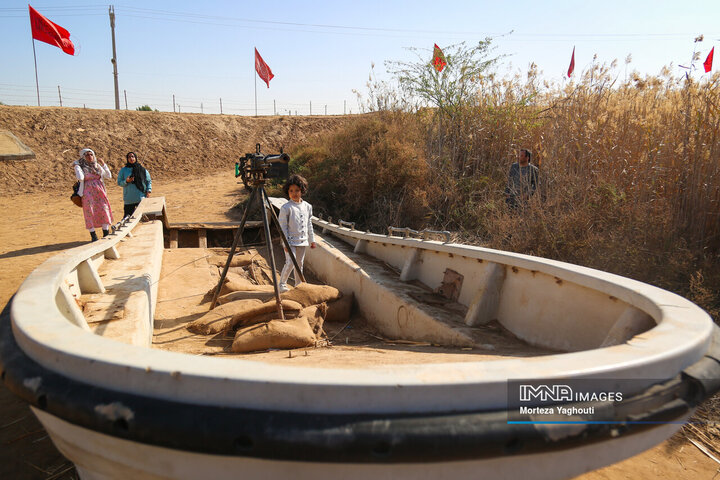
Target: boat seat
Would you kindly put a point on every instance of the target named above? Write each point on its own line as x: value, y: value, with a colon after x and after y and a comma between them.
x: 124, y: 311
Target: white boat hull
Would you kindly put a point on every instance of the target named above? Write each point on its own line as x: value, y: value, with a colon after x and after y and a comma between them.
x: 103, y: 457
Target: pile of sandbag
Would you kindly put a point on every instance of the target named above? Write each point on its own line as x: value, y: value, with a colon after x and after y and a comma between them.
x: 247, y: 308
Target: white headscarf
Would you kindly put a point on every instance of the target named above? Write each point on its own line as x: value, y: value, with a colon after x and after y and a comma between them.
x: 88, y: 166
x: 84, y: 151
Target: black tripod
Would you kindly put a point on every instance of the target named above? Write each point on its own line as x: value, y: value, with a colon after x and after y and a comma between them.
x: 258, y: 188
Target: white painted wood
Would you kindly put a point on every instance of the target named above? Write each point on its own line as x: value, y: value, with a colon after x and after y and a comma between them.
x: 68, y: 307
x: 484, y: 306
x: 112, y: 252
x: 409, y: 268
x: 88, y: 278
x: 631, y: 322
x: 360, y: 246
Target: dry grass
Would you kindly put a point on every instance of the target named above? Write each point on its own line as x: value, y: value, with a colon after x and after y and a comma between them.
x: 630, y: 174
x: 705, y: 426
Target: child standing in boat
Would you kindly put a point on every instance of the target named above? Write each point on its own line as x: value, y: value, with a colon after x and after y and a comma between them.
x: 295, y: 221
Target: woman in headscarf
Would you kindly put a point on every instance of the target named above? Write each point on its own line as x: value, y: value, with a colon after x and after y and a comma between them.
x: 96, y: 206
x: 136, y: 183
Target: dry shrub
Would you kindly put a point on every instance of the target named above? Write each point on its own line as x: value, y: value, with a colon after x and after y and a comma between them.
x: 372, y: 172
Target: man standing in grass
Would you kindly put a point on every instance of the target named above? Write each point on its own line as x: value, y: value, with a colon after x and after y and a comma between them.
x: 522, y: 180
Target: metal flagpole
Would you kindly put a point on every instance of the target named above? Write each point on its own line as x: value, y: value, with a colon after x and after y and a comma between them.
x: 254, y: 75
x: 37, y: 85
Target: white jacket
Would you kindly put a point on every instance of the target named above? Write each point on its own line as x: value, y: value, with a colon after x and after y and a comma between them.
x: 295, y: 221
x: 80, y: 175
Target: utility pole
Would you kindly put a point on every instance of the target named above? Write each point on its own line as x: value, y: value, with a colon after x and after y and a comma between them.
x: 113, y: 60
x: 125, y: 92
x: 221, y: 106
x: 59, y: 95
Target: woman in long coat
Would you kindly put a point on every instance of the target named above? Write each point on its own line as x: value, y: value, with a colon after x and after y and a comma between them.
x: 91, y: 170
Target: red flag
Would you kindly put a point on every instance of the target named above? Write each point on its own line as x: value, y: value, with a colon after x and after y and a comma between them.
x: 262, y: 69
x: 708, y: 60
x: 49, y: 32
x: 571, y: 69
x: 438, y: 59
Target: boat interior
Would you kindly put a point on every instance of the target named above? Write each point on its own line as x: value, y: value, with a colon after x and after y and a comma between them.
x: 425, y: 305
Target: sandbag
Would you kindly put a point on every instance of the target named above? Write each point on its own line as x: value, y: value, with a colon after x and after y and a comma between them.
x: 242, y: 271
x: 233, y: 283
x: 315, y: 315
x: 265, y: 307
x: 240, y: 259
x: 218, y: 319
x: 293, y: 333
x: 263, y: 295
x: 308, y: 294
x: 245, y: 285
x: 339, y: 310
x: 260, y: 272
x: 288, y: 313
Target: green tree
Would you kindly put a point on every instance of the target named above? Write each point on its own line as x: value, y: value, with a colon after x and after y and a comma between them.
x: 456, y: 86
x: 145, y: 108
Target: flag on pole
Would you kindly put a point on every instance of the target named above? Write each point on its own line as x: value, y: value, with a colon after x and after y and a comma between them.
x: 438, y: 59
x: 571, y: 69
x: 708, y: 61
x: 49, y: 32
x: 262, y: 69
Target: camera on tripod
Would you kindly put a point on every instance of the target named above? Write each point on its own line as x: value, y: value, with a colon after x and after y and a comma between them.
x: 255, y: 168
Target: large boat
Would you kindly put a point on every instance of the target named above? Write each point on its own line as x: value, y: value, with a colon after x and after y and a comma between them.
x: 488, y: 364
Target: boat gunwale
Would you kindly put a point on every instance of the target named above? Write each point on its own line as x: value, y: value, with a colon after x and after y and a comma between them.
x: 50, y: 339
x: 357, y: 438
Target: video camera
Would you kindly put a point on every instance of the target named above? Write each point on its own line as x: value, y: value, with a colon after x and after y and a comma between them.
x: 255, y: 168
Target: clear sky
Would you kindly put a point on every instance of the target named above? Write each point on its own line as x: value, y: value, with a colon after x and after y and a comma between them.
x: 319, y: 51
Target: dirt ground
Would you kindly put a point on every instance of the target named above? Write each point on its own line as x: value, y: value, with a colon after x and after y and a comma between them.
x: 191, y: 159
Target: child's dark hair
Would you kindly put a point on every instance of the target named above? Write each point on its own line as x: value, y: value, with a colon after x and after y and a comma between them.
x: 297, y: 180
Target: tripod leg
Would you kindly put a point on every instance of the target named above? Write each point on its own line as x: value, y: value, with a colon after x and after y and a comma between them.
x: 298, y: 270
x: 268, y: 242
x: 236, y: 240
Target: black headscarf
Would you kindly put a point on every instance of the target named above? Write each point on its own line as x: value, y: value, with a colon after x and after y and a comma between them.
x: 138, y: 173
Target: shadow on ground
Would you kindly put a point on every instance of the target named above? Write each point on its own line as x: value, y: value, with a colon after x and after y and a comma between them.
x: 42, y: 249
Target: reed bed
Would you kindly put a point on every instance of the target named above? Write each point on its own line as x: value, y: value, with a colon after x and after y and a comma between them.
x: 629, y: 173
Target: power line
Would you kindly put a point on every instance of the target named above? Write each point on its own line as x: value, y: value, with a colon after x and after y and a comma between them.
x: 214, y: 20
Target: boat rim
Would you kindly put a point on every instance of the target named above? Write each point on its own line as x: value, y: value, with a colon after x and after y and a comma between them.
x: 342, y: 438
x: 47, y: 337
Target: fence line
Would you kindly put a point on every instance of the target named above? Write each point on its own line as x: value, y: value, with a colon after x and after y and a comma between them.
x: 72, y: 97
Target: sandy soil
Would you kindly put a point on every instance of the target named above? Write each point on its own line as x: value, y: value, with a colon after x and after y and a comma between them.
x: 35, y: 226
x: 170, y: 145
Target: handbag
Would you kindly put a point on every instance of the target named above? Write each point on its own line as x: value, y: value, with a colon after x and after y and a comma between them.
x: 76, y: 199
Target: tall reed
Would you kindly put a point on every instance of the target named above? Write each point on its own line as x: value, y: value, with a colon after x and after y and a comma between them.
x: 629, y: 173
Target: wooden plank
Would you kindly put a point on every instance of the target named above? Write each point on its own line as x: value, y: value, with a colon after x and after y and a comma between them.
x: 214, y: 225
x: 202, y: 238
x: 173, y: 239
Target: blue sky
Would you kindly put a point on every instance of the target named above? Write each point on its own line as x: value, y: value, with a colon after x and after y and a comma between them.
x: 319, y: 50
